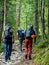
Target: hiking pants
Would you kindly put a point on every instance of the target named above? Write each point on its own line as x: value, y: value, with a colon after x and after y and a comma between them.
x: 20, y: 42
x: 28, y: 47
x: 7, y: 50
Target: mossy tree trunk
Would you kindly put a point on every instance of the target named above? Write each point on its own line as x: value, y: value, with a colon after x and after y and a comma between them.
x: 42, y: 18
x: 18, y: 9
x: 48, y: 16
x: 36, y: 17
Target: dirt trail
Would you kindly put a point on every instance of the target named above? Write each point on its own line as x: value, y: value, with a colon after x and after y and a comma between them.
x: 17, y: 57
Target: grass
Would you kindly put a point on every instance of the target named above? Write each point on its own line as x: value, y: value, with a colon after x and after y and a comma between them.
x: 41, y: 51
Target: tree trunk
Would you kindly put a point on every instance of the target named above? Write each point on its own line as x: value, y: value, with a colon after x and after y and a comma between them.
x: 36, y: 17
x: 2, y: 19
x: 42, y: 18
x: 48, y: 16
x: 18, y: 8
x: 4, y: 15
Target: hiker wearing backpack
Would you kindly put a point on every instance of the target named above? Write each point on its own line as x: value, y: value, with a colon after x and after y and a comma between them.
x: 28, y: 42
x: 7, y: 39
x: 20, y: 35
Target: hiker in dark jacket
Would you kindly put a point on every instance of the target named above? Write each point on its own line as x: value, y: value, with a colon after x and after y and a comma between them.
x: 7, y: 39
x: 20, y: 34
x: 28, y: 42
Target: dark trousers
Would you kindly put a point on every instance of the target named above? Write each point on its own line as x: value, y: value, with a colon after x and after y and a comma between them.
x: 7, y: 50
x: 20, y: 42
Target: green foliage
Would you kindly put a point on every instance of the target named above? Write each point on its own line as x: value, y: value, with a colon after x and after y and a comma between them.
x: 1, y: 47
x: 37, y: 58
x: 41, y: 51
x: 45, y: 61
x: 42, y: 44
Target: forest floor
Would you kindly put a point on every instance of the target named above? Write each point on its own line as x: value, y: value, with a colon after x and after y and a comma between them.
x: 17, y: 57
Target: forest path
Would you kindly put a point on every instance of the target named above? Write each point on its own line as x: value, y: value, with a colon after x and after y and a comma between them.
x: 17, y: 57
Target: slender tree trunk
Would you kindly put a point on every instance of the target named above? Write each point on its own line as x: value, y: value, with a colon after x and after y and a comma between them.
x: 48, y: 16
x: 18, y: 9
x: 26, y: 21
x: 27, y: 12
x: 36, y: 17
x: 4, y: 14
x: 42, y: 18
x: 2, y: 25
x: 1, y: 20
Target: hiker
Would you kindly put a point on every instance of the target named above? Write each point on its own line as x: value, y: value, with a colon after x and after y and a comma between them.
x: 7, y: 39
x: 20, y: 34
x: 28, y: 41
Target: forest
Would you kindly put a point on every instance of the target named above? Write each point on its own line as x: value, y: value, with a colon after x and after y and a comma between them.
x: 28, y: 12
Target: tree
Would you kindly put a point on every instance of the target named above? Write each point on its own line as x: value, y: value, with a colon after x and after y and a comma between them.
x: 18, y: 9
x: 48, y: 16
x: 1, y: 17
x: 4, y: 15
x: 42, y: 18
x: 36, y: 16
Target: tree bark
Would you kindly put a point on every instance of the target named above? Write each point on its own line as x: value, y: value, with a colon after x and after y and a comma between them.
x: 42, y: 18
x: 48, y: 16
x: 2, y: 19
x: 36, y: 17
x: 18, y: 9
x: 4, y: 15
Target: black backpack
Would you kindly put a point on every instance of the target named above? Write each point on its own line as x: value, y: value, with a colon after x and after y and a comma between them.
x: 7, y: 32
x: 23, y: 35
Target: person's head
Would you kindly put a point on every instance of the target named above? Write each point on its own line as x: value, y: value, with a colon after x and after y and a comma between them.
x: 31, y: 26
x: 7, y: 26
x: 28, y: 27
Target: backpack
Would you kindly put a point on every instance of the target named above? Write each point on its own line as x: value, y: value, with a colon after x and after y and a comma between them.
x: 7, y: 32
x: 23, y: 35
x: 28, y: 32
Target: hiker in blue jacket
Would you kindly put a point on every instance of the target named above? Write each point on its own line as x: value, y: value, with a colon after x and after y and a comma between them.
x: 7, y: 39
x: 20, y: 34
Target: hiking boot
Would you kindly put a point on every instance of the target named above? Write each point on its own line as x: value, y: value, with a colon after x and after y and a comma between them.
x: 30, y: 58
x: 6, y: 60
x: 25, y: 56
x: 9, y: 58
